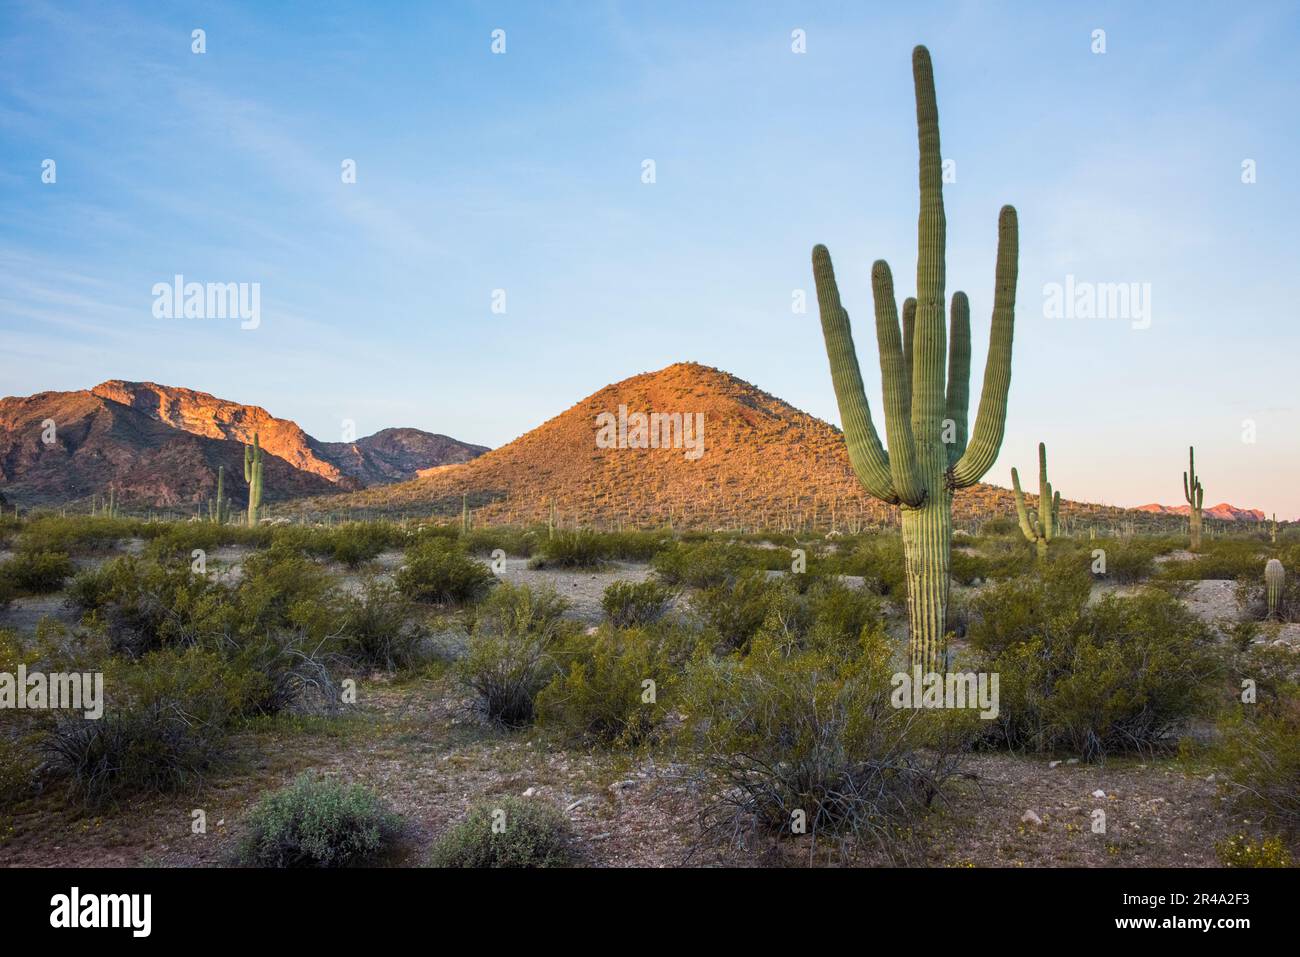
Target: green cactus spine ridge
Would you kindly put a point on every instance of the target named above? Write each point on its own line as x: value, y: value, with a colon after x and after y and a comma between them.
x: 253, y: 456
x: 1195, y: 496
x: 930, y: 451
x: 1044, y: 524
x: 1274, y: 578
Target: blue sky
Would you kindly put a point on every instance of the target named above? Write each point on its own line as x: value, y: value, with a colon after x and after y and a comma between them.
x: 522, y: 172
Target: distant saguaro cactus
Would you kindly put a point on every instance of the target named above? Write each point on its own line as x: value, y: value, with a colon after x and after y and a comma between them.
x: 1274, y: 578
x: 217, y: 509
x: 1040, y: 526
x: 925, y: 424
x: 1195, y: 496
x: 1272, y: 529
x: 253, y: 476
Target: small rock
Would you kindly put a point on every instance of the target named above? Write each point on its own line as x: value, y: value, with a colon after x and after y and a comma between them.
x: 1052, y: 764
x: 619, y: 786
x: 1029, y: 817
x: 576, y: 804
x: 1099, y: 793
x: 1209, y: 777
x: 531, y: 792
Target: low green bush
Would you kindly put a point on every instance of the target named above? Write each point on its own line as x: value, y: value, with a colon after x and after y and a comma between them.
x: 618, y: 687
x: 572, y: 549
x: 636, y: 603
x: 36, y: 572
x: 438, y: 571
x: 700, y: 565
x: 509, y: 833
x: 318, y: 822
x: 1123, y: 674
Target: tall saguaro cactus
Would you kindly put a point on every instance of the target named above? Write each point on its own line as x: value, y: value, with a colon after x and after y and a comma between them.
x: 929, y: 454
x: 217, y: 509
x: 253, y: 476
x: 1039, y: 527
x: 1195, y: 496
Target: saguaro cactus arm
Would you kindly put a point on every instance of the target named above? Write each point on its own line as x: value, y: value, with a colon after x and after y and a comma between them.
x: 991, y: 419
x: 958, y: 374
x: 1027, y: 525
x: 894, y: 376
x: 868, y: 456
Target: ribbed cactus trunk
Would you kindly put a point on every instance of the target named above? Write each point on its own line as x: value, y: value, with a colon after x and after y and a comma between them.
x: 925, y: 409
x: 1274, y: 577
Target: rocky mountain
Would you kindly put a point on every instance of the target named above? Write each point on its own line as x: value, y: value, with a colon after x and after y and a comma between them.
x: 58, y: 447
x: 1223, y: 512
x: 161, y: 446
x: 395, y: 455
x: 761, y: 462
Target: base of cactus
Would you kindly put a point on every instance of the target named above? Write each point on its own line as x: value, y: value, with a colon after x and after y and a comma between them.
x: 927, y: 553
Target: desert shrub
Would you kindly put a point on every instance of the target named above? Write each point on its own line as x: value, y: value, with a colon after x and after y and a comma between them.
x: 736, y: 610
x: 290, y: 670
x: 513, y: 649
x: 281, y: 589
x: 634, y: 546
x: 355, y: 543
x: 699, y: 565
x: 164, y: 727
x: 534, y: 833
x: 636, y: 603
x: 1241, y: 850
x: 1121, y: 675
x: 36, y: 572
x: 438, y: 571
x: 512, y: 541
x: 1127, y: 561
x: 1258, y: 745
x: 316, y: 822
x: 175, y: 541
x: 378, y: 628
x: 603, y: 697
x: 817, y: 733
x: 1228, y: 559
x: 144, y: 605
x: 7, y: 592
x: 879, y: 561
x: 56, y: 533
x: 573, y: 549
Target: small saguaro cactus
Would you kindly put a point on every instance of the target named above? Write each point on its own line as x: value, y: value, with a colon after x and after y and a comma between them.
x: 1272, y: 529
x: 1195, y: 496
x: 925, y: 410
x: 464, y: 513
x: 217, y: 509
x: 1040, y: 526
x: 1274, y: 578
x: 253, y: 476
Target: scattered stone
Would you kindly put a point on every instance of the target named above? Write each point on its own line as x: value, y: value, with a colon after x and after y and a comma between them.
x: 1029, y: 817
x: 1099, y: 793
x: 531, y: 792
x: 576, y: 804
x: 1052, y: 764
x: 619, y: 787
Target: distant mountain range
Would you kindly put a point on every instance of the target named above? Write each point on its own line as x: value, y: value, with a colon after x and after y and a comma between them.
x: 161, y: 446
x: 757, y: 462
x: 1223, y: 512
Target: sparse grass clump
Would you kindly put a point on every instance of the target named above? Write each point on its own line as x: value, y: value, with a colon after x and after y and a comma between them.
x: 509, y: 833
x: 438, y: 571
x: 1223, y: 558
x: 627, y: 604
x: 316, y: 822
